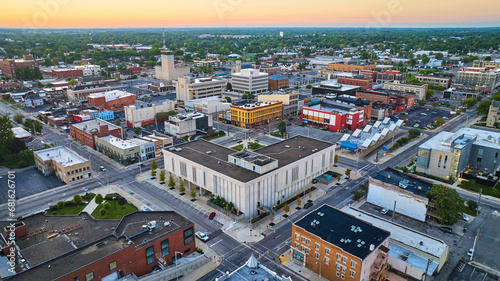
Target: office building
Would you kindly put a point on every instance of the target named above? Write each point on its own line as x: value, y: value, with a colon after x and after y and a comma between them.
x: 460, y: 92
x: 391, y: 76
x: 493, y: 114
x: 493, y: 64
x: 89, y: 70
x: 114, y: 100
x: 479, y: 76
x: 143, y: 114
x: 169, y: 69
x: 8, y: 66
x: 250, y: 81
x: 81, y: 93
x: 436, y: 79
x: 251, y: 115
x: 127, y: 152
x: 188, y: 88
x: 342, y: 246
x: 277, y: 82
x: 365, y: 84
x: 289, y: 100
x: 332, y: 87
x: 419, y: 89
x: 207, y: 105
x: 85, y: 132
x: 188, y: 124
x: 447, y: 155
x: 62, y: 162
x: 253, y: 181
x: 351, y: 66
x: 79, y: 247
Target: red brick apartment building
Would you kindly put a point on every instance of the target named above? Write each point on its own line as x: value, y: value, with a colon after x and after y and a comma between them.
x: 340, y: 245
x: 351, y: 66
x: 111, y: 100
x: 8, y: 66
x: 65, y: 73
x: 69, y: 248
x: 365, y: 84
x: 277, y: 82
x: 85, y: 132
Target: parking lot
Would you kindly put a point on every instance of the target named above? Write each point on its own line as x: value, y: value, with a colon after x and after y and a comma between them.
x: 487, y: 245
x: 314, y: 133
x: 28, y: 182
x: 423, y: 117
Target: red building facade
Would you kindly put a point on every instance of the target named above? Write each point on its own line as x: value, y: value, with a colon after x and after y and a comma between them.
x: 112, y: 100
x: 85, y: 132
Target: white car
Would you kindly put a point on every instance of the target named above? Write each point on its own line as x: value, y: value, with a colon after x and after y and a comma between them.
x: 470, y: 253
x: 202, y: 236
x: 424, y: 114
x: 465, y: 218
x: 384, y: 211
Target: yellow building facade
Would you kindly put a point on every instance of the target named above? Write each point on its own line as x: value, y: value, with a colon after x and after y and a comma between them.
x: 255, y: 114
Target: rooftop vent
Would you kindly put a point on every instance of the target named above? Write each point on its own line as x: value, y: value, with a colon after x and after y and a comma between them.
x: 372, y: 247
x: 209, y: 152
x: 287, y: 146
x: 178, y: 149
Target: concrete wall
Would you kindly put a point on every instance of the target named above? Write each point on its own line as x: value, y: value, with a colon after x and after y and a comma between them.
x: 408, y: 204
x: 405, y: 268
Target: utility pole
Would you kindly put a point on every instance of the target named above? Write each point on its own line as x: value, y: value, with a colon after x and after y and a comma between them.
x: 479, y: 201
x: 429, y: 261
x: 394, y: 211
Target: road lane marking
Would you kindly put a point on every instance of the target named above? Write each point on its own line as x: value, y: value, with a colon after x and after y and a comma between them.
x: 215, y: 243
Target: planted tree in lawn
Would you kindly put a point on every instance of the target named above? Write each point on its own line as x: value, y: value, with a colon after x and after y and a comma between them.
x: 122, y: 201
x: 77, y: 199
x: 286, y: 208
x: 347, y: 172
x: 60, y: 206
x: 336, y: 159
x: 193, y: 193
x: 171, y: 181
x: 153, y: 168
x: 99, y: 199
x: 162, y: 175
x: 448, y: 203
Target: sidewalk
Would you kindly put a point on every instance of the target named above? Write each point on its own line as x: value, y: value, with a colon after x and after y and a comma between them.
x: 205, y: 268
x: 399, y: 150
x: 286, y: 260
x: 105, y: 190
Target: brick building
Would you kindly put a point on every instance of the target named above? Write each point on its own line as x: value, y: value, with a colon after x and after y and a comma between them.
x: 339, y: 245
x: 391, y: 76
x: 111, y: 100
x: 85, y: 132
x: 67, y: 165
x: 255, y: 114
x: 351, y: 66
x: 277, y: 82
x: 81, y: 93
x: 64, y: 73
x: 11, y: 85
x: 365, y: 84
x: 97, y: 250
x: 8, y: 66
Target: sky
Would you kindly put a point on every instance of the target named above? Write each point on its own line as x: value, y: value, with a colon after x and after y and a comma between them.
x: 249, y: 13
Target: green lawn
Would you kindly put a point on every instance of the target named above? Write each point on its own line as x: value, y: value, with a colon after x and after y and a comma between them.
x: 254, y: 145
x: 115, y: 212
x: 276, y: 134
x: 474, y: 186
x: 68, y: 210
x: 218, y: 135
x: 239, y: 147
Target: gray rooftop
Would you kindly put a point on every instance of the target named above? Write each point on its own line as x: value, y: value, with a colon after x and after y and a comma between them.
x: 415, y: 185
x: 89, y: 125
x: 444, y: 140
x: 62, y: 155
x: 196, y: 151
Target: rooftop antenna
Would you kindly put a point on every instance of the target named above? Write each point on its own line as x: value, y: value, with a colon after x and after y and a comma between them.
x: 164, y: 44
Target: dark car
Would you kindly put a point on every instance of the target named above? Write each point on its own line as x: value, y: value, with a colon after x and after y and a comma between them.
x: 308, y: 205
x: 289, y: 124
x: 446, y: 229
x: 314, y: 181
x: 211, y: 216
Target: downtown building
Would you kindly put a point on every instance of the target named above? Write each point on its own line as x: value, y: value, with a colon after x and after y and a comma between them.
x: 78, y: 247
x: 8, y: 66
x: 114, y: 100
x: 254, y: 181
x: 140, y: 115
x: 86, y: 132
x: 479, y: 76
x: 339, y: 246
x: 250, y: 81
x: 252, y: 115
x: 416, y: 88
x: 188, y: 88
x: 64, y: 163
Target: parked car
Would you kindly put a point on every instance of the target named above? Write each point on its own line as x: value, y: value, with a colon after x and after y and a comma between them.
x: 470, y: 253
x: 446, y: 229
x: 289, y: 124
x: 202, y: 236
x: 314, y: 181
x: 423, y: 113
x: 211, y: 216
x: 102, y: 169
x: 465, y: 218
x: 308, y: 205
x: 384, y: 211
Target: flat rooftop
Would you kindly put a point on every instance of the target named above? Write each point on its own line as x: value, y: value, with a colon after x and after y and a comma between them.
x: 89, y: 125
x: 402, y: 234
x: 21, y: 133
x: 396, y: 177
x: 332, y: 107
x: 285, y: 152
x: 336, y: 226
x: 111, y: 95
x: 443, y: 140
x: 62, y: 155
x: 123, y: 144
x: 336, y: 87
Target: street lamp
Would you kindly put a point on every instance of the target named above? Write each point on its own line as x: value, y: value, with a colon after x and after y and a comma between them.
x: 176, y: 272
x: 319, y: 275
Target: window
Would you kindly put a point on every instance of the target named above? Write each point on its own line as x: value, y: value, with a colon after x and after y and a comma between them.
x: 327, y: 260
x: 353, y: 273
x: 183, y: 169
x: 89, y: 276
x: 303, y: 249
x: 338, y: 267
x: 303, y: 240
x: 150, y: 255
x: 327, y: 251
x: 343, y: 277
x: 316, y: 255
x: 188, y: 236
x: 445, y: 160
x: 339, y: 257
x: 343, y: 269
x: 440, y: 157
x: 296, y: 245
x: 353, y: 264
x: 338, y: 274
x: 194, y: 174
x: 165, y: 248
x: 295, y: 174
x: 317, y: 246
x: 308, y: 242
x: 297, y: 236
x: 307, y: 251
x: 76, y: 279
x: 344, y: 259
x: 112, y: 265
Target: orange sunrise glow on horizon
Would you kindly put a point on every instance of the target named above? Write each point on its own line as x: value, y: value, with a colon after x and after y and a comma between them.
x: 201, y: 13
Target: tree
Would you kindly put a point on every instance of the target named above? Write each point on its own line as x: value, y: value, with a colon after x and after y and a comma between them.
x: 286, y: 208
x: 470, y: 102
x: 425, y: 59
x: 472, y: 204
x: 439, y: 88
x: 77, y: 199
x: 448, y: 203
x: 429, y: 94
x: 102, y: 212
x: 430, y: 86
x: 60, y: 206
x: 228, y: 99
x: 102, y: 63
x: 482, y: 108
x: 229, y: 86
x: 137, y: 131
x: 171, y: 181
x: 336, y: 159
x: 106, y: 206
x: 309, y: 86
x: 154, y: 166
x: 6, y: 134
x: 118, y: 122
x: 436, y: 104
x: 18, y: 118
x: 414, y: 133
x: 422, y: 102
x: 193, y: 193
x: 438, y: 56
x: 413, y: 62
x: 181, y: 187
x: 439, y: 120
x: 347, y: 172
x: 122, y: 201
x: 163, y: 116
x: 298, y: 201
x: 282, y: 128
x: 162, y: 175
x: 72, y: 82
x: 98, y: 199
